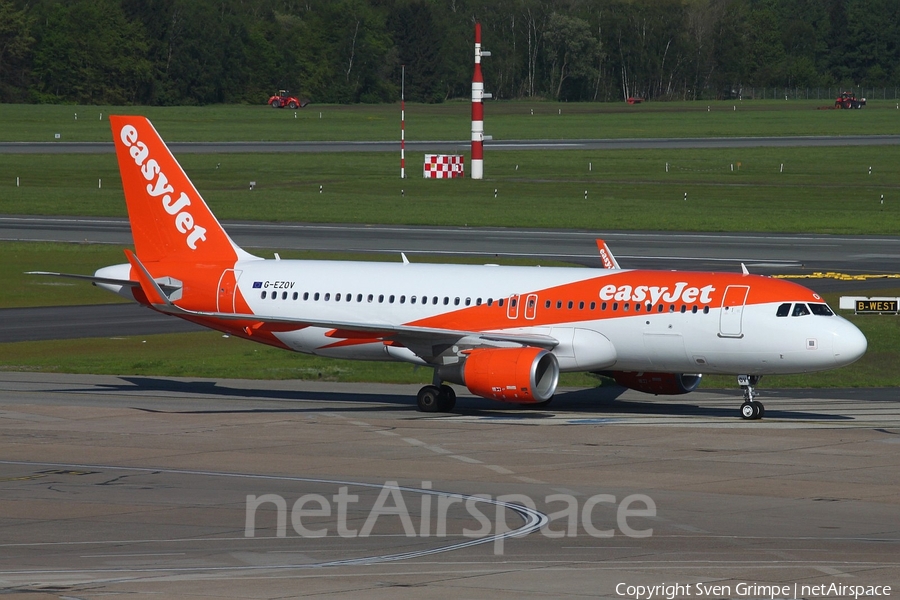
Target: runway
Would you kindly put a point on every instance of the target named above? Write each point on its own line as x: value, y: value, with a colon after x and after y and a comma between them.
x: 116, y: 486
x: 462, y: 145
x: 762, y: 253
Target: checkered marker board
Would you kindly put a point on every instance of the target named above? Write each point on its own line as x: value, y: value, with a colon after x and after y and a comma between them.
x: 444, y: 166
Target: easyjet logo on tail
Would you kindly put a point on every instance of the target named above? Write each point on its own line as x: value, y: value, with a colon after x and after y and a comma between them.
x: 653, y: 293
x: 159, y: 186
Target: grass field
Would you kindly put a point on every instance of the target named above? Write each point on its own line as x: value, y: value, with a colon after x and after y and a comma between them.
x: 451, y: 121
x: 825, y: 190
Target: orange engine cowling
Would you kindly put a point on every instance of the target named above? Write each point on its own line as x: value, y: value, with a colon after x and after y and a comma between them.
x: 524, y: 375
x: 662, y: 384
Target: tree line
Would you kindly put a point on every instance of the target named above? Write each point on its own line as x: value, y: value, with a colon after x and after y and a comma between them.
x: 177, y: 52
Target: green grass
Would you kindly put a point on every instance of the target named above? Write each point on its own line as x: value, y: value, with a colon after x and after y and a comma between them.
x: 825, y: 190
x: 452, y: 121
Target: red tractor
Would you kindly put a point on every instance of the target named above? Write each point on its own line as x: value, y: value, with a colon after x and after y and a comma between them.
x: 848, y: 100
x: 285, y: 100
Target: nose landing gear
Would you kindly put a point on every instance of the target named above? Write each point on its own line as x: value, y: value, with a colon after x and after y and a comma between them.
x: 751, y: 409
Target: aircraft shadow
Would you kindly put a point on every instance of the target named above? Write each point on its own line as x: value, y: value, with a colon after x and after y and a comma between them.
x: 604, y: 401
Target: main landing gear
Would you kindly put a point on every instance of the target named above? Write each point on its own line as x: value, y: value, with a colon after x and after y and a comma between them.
x: 436, y: 398
x: 751, y: 409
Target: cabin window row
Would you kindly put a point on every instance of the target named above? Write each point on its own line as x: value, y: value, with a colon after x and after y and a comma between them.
x: 447, y: 300
x: 380, y: 298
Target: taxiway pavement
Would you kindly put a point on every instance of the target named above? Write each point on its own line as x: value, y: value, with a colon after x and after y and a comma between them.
x: 124, y: 485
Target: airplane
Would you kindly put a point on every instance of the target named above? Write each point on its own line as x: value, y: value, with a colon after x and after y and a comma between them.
x: 503, y: 332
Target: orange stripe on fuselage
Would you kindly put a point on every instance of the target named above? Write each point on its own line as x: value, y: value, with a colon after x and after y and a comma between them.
x: 667, y: 288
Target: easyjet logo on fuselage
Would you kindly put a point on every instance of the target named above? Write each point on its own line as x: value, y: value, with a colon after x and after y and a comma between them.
x: 159, y: 186
x: 654, y: 293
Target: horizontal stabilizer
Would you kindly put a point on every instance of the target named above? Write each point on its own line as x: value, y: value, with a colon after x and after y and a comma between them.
x: 93, y: 278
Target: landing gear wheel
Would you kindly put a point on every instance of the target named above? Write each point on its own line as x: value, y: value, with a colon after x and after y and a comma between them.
x: 760, y: 409
x: 428, y: 399
x: 447, y: 399
x: 748, y: 411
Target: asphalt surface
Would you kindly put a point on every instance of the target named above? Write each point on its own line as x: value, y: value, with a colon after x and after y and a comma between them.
x: 134, y: 485
x: 450, y: 146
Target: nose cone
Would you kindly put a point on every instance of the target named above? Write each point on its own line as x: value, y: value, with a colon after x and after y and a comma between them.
x: 849, y: 343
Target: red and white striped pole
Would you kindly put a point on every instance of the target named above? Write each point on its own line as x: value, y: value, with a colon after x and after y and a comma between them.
x: 403, y: 122
x: 478, y: 96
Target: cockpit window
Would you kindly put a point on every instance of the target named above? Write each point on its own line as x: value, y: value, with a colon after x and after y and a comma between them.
x: 800, y: 310
x: 784, y: 310
x: 822, y: 310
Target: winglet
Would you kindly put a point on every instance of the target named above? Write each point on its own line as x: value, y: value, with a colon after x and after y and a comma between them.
x: 744, y: 269
x: 609, y: 261
x: 151, y: 289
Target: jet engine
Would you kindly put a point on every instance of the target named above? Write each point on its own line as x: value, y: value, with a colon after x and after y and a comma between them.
x: 660, y: 384
x: 523, y: 375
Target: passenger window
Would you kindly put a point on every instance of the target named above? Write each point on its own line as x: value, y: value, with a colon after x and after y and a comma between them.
x: 284, y: 295
x: 500, y: 302
x: 327, y: 297
x: 263, y: 295
x: 615, y: 306
x: 446, y: 300
x: 821, y: 310
x: 683, y: 308
x: 295, y: 295
x: 593, y: 305
x: 799, y: 310
x: 370, y: 297
x: 412, y: 299
x: 705, y: 310
x: 626, y: 307
x: 316, y: 296
x: 468, y: 301
x: 603, y: 306
x: 349, y: 297
x: 570, y: 304
x: 637, y: 307
x: 581, y: 305
x: 305, y: 296
x: 547, y: 304
x: 694, y: 309
x: 559, y: 304
x: 359, y: 297
x: 402, y: 299
x: 456, y: 302
x: 478, y: 302
x: 337, y: 297
x: 434, y: 300
x: 660, y: 308
x: 490, y: 301
x: 783, y: 310
x: 391, y: 298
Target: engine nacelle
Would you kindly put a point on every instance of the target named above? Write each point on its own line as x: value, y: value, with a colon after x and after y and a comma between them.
x: 522, y: 375
x: 662, y: 384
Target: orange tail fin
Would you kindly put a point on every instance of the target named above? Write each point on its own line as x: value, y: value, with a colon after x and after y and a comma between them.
x: 169, y: 219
